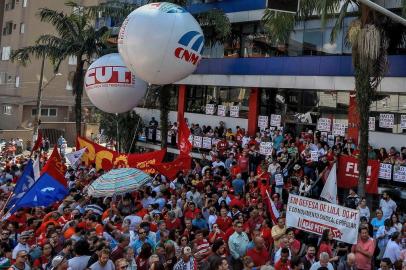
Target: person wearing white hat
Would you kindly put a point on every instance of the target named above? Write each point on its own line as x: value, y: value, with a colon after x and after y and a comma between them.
x: 186, y: 261
x: 59, y: 263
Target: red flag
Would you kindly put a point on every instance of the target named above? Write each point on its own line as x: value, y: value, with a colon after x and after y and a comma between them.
x: 38, y: 143
x: 348, y: 174
x: 273, y: 212
x: 184, y: 132
x: 170, y: 169
x: 55, y: 168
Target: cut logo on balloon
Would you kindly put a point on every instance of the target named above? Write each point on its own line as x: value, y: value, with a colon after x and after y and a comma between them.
x: 197, y: 47
x: 168, y: 7
x: 118, y: 75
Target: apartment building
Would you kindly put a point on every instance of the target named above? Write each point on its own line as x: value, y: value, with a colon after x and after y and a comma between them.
x: 19, y: 85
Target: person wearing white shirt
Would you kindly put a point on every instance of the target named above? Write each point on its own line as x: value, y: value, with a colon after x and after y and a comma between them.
x: 323, y: 262
x: 393, y: 248
x: 22, y: 245
x: 387, y: 205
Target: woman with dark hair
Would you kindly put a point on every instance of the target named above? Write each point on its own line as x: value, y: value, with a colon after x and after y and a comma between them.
x: 395, y: 222
x: 327, y: 245
x: 142, y: 258
x: 170, y: 256
x: 220, y: 264
x: 47, y: 255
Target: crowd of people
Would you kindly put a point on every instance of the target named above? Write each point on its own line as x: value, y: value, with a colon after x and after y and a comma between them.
x: 213, y: 216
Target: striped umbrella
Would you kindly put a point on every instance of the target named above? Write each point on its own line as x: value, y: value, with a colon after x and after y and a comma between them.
x: 118, y: 181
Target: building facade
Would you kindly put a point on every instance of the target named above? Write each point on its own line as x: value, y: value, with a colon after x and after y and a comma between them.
x: 305, y: 80
x: 19, y: 85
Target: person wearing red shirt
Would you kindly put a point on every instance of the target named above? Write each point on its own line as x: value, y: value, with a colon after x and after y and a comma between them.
x: 255, y: 221
x: 222, y: 146
x: 66, y: 217
x: 326, y: 245
x: 243, y: 163
x: 191, y: 212
x: 223, y: 221
x: 20, y: 217
x: 266, y: 232
x: 283, y: 263
x: 172, y: 222
x: 259, y: 254
x: 215, y: 234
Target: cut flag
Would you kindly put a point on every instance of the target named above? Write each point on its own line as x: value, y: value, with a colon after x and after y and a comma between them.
x: 274, y: 213
x: 329, y: 192
x: 49, y: 188
x: 170, y: 169
x: 184, y: 133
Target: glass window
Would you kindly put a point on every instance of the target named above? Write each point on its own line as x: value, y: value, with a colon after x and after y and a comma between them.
x: 312, y: 42
x: 7, y: 109
x: 44, y: 112
x: 52, y: 112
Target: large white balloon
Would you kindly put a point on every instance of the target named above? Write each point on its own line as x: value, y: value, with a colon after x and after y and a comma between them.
x: 161, y: 42
x: 111, y: 86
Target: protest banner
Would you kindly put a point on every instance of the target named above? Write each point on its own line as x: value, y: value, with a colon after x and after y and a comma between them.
x: 221, y: 110
x: 314, y: 156
x: 324, y: 124
x: 206, y: 143
x: 210, y: 109
x: 197, y: 141
x: 276, y: 120
x: 106, y: 159
x: 348, y: 174
x: 315, y: 216
x: 265, y: 148
x: 385, y: 171
x: 403, y: 121
x: 386, y: 120
x: 339, y: 129
x: 234, y: 111
x: 263, y: 121
x: 371, y: 124
x: 399, y: 174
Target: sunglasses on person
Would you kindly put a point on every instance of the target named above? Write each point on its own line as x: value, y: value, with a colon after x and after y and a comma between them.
x: 124, y: 266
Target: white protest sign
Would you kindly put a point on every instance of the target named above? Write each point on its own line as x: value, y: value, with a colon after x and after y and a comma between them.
x: 403, y: 121
x: 150, y: 130
x: 197, y: 141
x: 221, y: 110
x: 385, y: 171
x: 210, y: 109
x: 324, y: 124
x: 339, y: 129
x: 158, y: 135
x: 206, y: 142
x: 234, y: 111
x: 263, y: 121
x: 214, y: 141
x: 278, y: 179
x: 386, y: 120
x: 315, y: 216
x: 265, y: 148
x: 371, y: 124
x: 314, y: 156
x: 276, y: 120
x: 399, y: 174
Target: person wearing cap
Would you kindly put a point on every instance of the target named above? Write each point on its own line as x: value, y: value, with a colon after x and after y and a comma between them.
x: 21, y: 261
x: 22, y: 244
x: 59, y: 263
x: 186, y: 261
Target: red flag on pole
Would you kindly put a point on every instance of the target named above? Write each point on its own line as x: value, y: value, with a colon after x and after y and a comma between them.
x: 170, y: 169
x: 55, y: 168
x: 184, y: 132
x: 38, y: 143
x: 273, y: 212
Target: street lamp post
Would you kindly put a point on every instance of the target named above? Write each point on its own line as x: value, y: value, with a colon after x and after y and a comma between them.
x: 41, y: 88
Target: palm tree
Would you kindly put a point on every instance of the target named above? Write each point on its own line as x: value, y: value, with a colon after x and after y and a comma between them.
x: 76, y: 35
x: 370, y: 35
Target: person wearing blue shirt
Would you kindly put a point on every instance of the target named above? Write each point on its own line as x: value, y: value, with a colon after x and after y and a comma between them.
x: 142, y: 238
x: 239, y: 185
x: 199, y: 222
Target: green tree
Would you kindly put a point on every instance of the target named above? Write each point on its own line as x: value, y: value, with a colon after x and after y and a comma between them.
x: 128, y: 124
x: 370, y: 35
